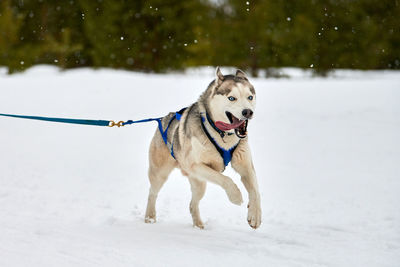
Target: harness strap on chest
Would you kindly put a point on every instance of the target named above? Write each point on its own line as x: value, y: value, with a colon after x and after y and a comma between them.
x: 225, y: 154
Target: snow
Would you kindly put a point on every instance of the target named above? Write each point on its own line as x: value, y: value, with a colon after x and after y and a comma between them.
x: 326, y: 152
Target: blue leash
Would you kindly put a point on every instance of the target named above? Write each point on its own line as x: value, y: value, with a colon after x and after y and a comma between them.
x: 225, y: 154
x: 164, y: 133
x: 81, y: 121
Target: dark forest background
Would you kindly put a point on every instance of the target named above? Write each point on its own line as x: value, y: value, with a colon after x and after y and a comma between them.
x: 164, y: 35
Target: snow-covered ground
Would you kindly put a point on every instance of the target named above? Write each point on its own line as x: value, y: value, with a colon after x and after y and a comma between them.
x: 326, y: 151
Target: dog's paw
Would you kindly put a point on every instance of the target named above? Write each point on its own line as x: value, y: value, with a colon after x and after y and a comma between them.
x: 234, y: 194
x: 198, y: 224
x: 254, y: 215
x: 150, y: 219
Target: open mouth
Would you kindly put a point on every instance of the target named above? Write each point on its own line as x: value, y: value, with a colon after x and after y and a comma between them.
x: 240, y: 126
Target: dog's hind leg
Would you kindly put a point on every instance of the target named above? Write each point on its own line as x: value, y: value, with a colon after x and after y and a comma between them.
x: 198, y: 189
x: 157, y: 176
x: 161, y: 165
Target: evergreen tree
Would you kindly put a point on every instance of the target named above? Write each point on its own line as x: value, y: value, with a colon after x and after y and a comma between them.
x: 162, y: 35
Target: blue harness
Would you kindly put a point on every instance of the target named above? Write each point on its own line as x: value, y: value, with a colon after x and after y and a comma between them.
x: 164, y: 133
x: 225, y: 154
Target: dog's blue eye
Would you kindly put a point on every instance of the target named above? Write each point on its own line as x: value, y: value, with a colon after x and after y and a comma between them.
x: 250, y: 97
x: 231, y: 98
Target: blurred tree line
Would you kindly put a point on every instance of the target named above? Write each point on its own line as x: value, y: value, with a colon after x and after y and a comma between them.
x: 163, y: 35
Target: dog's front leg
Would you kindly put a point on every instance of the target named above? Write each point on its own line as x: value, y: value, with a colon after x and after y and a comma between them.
x: 206, y: 173
x: 243, y: 164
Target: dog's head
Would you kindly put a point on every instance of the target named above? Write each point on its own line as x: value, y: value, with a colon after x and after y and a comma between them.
x: 231, y: 102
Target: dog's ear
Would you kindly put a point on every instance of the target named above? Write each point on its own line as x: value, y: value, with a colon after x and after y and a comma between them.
x: 241, y: 74
x: 219, y: 77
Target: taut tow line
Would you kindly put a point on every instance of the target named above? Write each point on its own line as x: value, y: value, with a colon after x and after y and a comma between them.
x: 82, y: 121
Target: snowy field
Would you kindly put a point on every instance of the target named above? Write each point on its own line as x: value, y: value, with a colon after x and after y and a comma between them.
x: 326, y: 152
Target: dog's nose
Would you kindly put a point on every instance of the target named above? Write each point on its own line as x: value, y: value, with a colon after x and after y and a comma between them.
x: 247, y: 113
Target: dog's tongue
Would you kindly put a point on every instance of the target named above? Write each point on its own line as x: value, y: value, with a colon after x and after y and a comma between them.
x: 226, y: 126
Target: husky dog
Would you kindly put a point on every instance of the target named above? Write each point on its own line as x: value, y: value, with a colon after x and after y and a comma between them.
x: 202, y: 139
